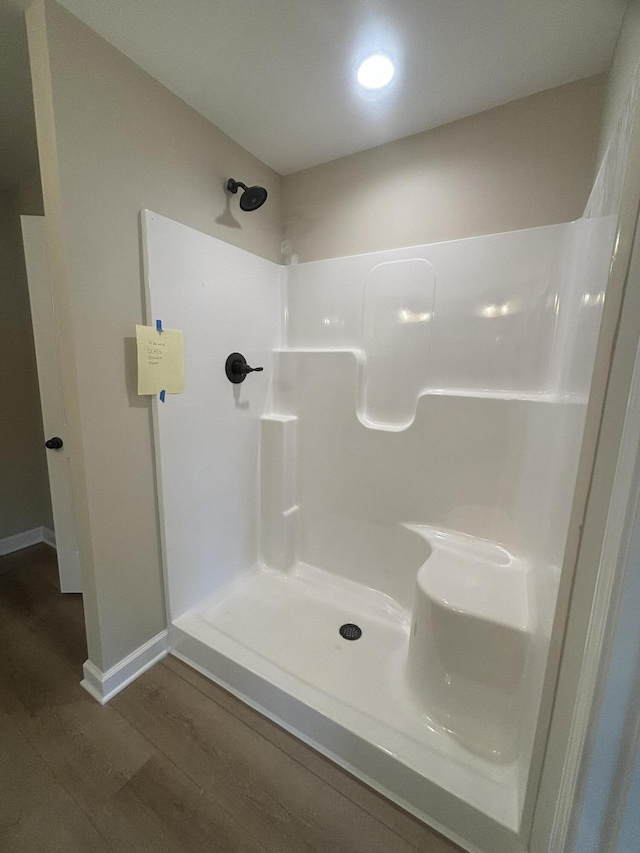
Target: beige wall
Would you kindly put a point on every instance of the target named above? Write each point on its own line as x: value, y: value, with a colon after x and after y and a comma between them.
x: 625, y: 61
x: 24, y: 485
x: 28, y: 197
x: 113, y: 141
x: 528, y: 163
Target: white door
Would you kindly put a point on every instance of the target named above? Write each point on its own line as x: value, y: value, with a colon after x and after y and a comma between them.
x: 53, y: 413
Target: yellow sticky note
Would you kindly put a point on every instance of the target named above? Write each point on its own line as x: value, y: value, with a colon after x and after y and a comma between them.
x: 160, y: 360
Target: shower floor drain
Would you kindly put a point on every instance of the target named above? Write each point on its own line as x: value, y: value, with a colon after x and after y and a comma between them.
x: 350, y: 631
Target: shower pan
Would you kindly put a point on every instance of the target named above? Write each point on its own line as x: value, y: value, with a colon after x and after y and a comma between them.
x: 364, y: 539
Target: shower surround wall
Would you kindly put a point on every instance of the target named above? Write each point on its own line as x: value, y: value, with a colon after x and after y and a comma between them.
x: 406, y: 461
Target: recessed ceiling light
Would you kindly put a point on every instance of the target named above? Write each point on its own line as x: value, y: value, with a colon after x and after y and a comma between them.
x: 375, y: 71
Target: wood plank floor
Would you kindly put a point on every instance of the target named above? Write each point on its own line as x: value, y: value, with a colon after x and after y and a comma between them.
x: 174, y: 764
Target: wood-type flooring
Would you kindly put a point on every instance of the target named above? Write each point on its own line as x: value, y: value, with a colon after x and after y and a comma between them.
x: 173, y: 764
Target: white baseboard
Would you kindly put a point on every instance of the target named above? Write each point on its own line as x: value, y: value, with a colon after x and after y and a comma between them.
x: 26, y: 539
x: 49, y: 537
x: 103, y: 686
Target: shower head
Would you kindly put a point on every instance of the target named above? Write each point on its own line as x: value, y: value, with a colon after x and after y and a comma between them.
x: 252, y: 198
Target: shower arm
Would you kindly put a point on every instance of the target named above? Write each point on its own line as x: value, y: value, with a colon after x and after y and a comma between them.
x: 232, y: 185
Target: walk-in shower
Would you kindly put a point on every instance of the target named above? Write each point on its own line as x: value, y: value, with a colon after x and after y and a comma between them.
x: 364, y: 541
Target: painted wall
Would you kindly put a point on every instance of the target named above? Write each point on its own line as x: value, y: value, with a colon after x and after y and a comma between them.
x: 113, y: 141
x: 527, y: 163
x: 625, y: 60
x: 24, y: 485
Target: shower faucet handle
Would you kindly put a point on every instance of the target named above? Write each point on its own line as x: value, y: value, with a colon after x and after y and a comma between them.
x: 236, y: 368
x: 244, y: 368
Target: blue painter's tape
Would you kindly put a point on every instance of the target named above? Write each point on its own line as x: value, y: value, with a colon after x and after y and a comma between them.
x: 158, y: 325
x: 162, y: 393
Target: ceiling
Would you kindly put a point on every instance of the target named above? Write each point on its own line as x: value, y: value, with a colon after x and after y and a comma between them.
x: 278, y: 75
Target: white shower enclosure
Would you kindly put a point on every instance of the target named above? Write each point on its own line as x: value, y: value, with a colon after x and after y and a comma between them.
x: 405, y: 462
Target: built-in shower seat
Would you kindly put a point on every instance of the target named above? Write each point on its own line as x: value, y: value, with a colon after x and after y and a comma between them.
x: 470, y: 639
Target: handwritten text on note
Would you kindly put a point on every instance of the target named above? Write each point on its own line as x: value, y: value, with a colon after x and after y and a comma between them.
x: 160, y: 360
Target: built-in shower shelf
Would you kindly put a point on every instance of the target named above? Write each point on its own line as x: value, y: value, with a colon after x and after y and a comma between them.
x: 354, y: 350
x: 527, y: 396
x: 472, y: 393
x: 280, y: 419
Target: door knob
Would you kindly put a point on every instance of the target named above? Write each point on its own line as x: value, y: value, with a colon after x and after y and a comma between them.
x: 54, y: 443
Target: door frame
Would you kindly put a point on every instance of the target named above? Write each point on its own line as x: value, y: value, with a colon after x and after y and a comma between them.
x: 595, y: 553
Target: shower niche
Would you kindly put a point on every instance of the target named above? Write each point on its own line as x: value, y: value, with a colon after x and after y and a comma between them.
x: 405, y: 462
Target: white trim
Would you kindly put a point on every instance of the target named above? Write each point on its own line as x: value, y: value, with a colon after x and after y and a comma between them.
x: 103, y: 686
x: 611, y: 572
x: 577, y: 642
x: 49, y: 537
x: 26, y: 539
